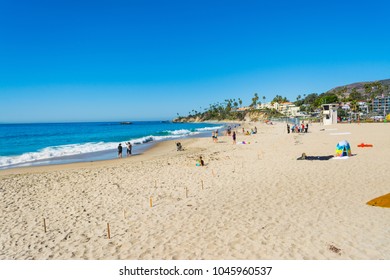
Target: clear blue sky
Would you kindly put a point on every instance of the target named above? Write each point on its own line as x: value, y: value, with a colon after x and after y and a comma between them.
x: 68, y: 60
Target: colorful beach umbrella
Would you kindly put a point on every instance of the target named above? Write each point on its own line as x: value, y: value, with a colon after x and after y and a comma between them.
x: 343, y: 149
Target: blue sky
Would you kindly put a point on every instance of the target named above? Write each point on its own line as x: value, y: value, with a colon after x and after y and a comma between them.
x: 148, y: 60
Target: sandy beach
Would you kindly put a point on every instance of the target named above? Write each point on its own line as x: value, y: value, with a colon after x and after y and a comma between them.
x: 250, y: 201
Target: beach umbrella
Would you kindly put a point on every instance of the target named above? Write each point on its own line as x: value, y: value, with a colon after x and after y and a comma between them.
x: 343, y: 149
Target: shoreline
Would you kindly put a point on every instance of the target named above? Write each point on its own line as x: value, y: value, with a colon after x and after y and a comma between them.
x: 153, y: 152
x: 252, y: 201
x: 105, y: 155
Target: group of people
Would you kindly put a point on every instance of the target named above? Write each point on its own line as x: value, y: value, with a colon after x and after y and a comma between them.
x: 120, y: 149
x: 298, y: 128
x: 253, y: 131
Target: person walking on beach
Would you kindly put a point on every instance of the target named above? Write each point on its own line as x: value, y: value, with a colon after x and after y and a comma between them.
x: 307, y: 127
x: 120, y: 150
x: 129, y: 146
x: 229, y: 131
x: 234, y: 137
x: 215, y: 136
x: 288, y: 128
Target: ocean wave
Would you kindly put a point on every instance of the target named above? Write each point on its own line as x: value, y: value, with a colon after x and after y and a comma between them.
x: 186, y: 132
x: 178, y: 132
x: 56, y: 152
x: 209, y: 128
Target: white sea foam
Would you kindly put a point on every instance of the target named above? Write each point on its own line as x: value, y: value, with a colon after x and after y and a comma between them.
x: 178, y: 132
x: 56, y: 152
x: 209, y: 128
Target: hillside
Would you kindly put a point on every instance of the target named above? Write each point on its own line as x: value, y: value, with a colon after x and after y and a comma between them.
x: 365, y: 89
x: 229, y: 110
x: 251, y: 115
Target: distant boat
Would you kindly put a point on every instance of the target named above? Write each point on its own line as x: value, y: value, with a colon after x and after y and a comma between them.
x: 165, y: 121
x: 126, y: 123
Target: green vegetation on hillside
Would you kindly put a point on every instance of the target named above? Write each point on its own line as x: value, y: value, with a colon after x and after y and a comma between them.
x: 227, y: 110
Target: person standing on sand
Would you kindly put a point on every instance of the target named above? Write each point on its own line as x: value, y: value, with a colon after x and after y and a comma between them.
x: 129, y: 146
x: 307, y: 127
x: 288, y: 128
x: 120, y: 150
x: 234, y: 137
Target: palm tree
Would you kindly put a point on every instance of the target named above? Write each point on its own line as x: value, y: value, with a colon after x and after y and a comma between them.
x: 254, y: 100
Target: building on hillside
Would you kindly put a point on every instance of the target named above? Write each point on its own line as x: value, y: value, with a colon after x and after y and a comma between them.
x: 268, y: 105
x: 381, y: 105
x: 345, y: 106
x: 363, y: 106
x: 242, y: 109
x: 286, y: 108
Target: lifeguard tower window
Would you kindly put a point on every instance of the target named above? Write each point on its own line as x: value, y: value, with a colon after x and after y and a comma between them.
x: 327, y: 117
x: 326, y: 107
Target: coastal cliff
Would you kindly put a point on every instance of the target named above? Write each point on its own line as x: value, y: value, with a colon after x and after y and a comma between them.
x: 251, y: 115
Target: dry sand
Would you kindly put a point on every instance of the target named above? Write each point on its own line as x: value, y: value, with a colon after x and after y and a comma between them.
x: 257, y: 201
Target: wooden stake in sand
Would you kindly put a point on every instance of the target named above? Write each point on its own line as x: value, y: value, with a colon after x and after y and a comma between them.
x: 108, y: 231
x: 44, y: 224
x: 202, y: 184
x: 186, y: 192
x: 259, y: 154
x: 151, y: 202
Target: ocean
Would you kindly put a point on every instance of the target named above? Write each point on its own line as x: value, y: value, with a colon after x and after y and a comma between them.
x: 57, y: 143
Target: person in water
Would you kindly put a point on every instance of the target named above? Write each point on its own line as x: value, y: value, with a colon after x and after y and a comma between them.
x: 119, y: 150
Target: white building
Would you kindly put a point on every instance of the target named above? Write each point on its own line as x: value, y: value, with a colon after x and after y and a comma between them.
x: 329, y: 114
x: 286, y: 108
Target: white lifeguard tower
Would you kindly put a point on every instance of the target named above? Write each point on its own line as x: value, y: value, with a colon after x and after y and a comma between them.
x: 329, y: 114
